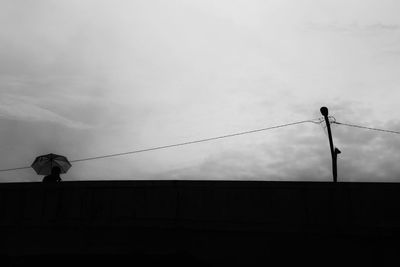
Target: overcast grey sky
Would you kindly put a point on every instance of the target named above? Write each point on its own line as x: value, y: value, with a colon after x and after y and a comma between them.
x: 86, y: 78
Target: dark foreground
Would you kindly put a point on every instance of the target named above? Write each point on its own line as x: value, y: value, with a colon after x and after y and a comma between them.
x: 187, y: 223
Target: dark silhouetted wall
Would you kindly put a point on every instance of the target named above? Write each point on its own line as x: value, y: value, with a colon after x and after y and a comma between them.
x: 208, y: 220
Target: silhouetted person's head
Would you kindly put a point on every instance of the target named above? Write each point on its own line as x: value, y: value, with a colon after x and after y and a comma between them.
x: 54, y: 176
x: 55, y: 170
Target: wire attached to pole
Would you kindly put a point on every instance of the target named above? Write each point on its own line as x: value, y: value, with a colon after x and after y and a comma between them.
x: 315, y: 121
x: 367, y: 128
x: 194, y: 142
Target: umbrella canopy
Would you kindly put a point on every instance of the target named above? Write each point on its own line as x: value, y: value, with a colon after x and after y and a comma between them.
x: 43, y: 164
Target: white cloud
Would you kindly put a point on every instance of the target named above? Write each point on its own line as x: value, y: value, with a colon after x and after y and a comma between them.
x: 20, y: 108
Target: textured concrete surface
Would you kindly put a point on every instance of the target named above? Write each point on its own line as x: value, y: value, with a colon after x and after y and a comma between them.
x: 200, y: 221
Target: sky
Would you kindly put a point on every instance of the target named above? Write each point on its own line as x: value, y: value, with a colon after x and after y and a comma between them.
x: 86, y: 78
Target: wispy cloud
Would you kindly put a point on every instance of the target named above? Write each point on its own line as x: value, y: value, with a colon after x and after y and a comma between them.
x: 20, y: 108
x: 302, y: 154
x: 353, y: 27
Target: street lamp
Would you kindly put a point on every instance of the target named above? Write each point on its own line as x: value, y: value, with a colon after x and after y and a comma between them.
x: 334, y: 151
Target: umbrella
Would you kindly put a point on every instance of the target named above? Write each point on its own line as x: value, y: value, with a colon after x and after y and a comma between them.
x: 43, y: 164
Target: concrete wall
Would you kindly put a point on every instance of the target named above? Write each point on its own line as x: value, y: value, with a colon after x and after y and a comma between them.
x: 200, y: 217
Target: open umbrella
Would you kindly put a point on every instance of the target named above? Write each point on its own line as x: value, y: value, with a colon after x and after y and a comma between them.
x: 43, y: 164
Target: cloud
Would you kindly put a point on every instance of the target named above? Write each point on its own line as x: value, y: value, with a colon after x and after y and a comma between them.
x: 365, y: 157
x: 19, y: 108
x: 285, y: 155
x: 353, y: 27
x: 302, y: 153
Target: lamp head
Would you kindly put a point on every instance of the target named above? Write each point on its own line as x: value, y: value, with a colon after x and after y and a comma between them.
x: 324, y: 111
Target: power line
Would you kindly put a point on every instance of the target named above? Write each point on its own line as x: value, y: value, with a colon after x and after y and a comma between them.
x: 316, y: 121
x: 14, y: 169
x: 367, y: 128
x: 193, y: 142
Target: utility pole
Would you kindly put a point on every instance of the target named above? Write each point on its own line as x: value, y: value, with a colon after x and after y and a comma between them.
x: 334, y: 151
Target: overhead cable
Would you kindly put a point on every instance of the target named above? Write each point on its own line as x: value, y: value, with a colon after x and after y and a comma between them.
x: 315, y: 121
x: 195, y: 141
x: 367, y: 128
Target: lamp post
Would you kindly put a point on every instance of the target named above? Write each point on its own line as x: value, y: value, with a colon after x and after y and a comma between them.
x: 334, y: 151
